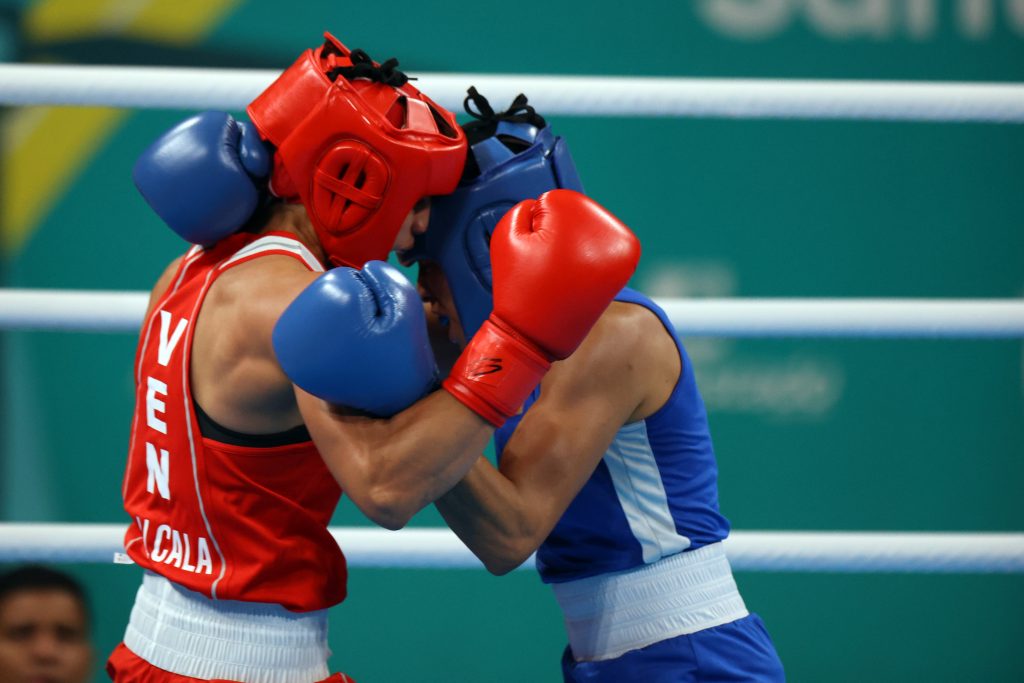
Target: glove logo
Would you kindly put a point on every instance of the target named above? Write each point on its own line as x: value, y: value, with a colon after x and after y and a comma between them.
x: 482, y: 368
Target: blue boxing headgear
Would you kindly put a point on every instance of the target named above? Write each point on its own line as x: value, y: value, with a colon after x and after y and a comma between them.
x: 512, y: 156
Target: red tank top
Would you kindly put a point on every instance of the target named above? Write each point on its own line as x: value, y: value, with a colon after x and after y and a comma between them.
x: 231, y: 522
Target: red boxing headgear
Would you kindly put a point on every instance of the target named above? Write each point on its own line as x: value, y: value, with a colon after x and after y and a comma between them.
x: 357, y: 152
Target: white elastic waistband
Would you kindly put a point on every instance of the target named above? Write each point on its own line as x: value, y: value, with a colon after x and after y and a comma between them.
x: 189, y: 634
x: 610, y: 614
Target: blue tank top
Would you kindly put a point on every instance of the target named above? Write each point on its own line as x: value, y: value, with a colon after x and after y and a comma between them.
x: 653, y: 494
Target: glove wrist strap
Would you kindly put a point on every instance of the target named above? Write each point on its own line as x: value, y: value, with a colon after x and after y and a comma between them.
x: 496, y: 372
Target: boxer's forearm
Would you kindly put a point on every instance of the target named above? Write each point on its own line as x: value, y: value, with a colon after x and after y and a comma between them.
x: 393, y: 468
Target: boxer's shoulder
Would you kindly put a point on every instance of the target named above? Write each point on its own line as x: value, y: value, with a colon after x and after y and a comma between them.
x: 254, y: 293
x: 628, y: 354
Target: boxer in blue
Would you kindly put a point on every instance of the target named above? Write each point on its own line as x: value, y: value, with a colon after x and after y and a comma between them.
x: 608, y: 471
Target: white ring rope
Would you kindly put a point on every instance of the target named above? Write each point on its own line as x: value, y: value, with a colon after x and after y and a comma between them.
x: 99, y: 311
x: 441, y: 549
x: 184, y: 88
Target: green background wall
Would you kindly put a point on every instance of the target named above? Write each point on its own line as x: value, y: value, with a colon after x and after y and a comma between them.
x: 811, y: 434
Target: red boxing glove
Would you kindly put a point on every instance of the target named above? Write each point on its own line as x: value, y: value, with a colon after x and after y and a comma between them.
x: 557, y: 262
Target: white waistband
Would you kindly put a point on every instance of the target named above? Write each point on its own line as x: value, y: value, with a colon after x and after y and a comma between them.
x: 610, y: 614
x: 189, y: 634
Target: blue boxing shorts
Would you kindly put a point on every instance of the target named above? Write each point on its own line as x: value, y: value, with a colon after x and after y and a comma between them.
x: 741, y: 650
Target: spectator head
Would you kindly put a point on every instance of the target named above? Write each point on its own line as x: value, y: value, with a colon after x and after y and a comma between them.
x: 44, y: 628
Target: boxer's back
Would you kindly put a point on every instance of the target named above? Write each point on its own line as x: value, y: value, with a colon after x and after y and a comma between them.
x: 229, y: 517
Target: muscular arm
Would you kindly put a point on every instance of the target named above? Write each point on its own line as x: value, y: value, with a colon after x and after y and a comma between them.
x: 624, y: 371
x: 236, y: 378
x: 393, y: 468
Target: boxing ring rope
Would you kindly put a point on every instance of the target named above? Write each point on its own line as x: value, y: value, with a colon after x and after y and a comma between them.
x: 775, y: 551
x: 193, y: 88
x: 99, y: 311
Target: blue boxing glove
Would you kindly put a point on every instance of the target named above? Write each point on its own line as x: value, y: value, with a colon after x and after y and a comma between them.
x: 358, y: 338
x: 204, y: 177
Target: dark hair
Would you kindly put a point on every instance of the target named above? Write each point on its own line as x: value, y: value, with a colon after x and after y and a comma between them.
x: 36, y: 577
